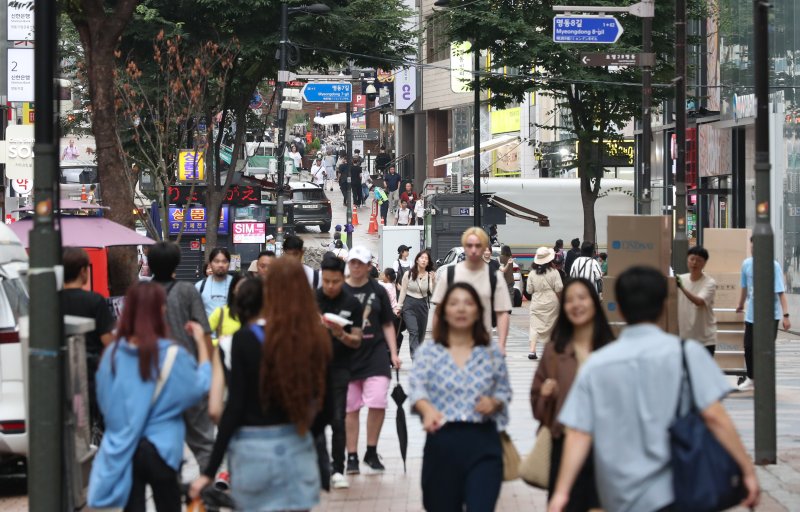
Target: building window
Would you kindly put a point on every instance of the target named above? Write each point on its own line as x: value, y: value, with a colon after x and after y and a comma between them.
x: 438, y: 43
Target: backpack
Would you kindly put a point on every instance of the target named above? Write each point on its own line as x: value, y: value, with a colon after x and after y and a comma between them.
x: 451, y: 276
x: 401, y: 271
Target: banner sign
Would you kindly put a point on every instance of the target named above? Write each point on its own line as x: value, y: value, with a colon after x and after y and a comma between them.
x: 249, y: 232
x: 195, y: 221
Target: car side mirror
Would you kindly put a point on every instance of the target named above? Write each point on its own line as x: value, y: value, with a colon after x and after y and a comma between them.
x: 438, y: 262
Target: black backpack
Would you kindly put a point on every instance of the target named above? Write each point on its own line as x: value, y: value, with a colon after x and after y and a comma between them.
x: 451, y: 276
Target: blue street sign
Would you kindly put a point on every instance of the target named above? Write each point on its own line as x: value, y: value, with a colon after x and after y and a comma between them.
x: 328, y: 92
x: 586, y: 29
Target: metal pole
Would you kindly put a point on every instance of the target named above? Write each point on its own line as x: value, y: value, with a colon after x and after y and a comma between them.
x: 763, y: 251
x: 476, y: 132
x: 680, y: 245
x: 645, y: 194
x: 282, y: 115
x: 45, y: 360
x: 349, y: 192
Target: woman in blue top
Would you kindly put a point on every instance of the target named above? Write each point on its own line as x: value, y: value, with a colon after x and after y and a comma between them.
x: 460, y: 386
x: 143, y: 387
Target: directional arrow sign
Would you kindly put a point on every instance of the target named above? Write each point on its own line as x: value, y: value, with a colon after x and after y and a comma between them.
x: 328, y: 92
x: 618, y: 59
x: 586, y: 29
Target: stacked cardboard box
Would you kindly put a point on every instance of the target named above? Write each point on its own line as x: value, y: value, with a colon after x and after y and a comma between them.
x: 727, y: 248
x: 639, y: 240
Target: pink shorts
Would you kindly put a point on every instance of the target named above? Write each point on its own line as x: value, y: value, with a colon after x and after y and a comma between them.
x: 372, y: 392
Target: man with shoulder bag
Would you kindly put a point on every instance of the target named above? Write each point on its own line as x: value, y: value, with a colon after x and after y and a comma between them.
x: 640, y: 402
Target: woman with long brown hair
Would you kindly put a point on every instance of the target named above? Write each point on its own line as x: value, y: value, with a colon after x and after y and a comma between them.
x: 144, y: 384
x: 276, y: 388
x: 581, y: 329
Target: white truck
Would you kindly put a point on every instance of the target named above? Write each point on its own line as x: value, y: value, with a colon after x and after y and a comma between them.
x: 560, y: 201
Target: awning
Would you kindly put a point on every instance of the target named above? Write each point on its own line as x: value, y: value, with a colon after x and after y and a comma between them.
x: 487, y: 145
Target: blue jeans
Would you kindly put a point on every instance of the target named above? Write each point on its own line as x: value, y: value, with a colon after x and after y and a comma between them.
x: 273, y: 468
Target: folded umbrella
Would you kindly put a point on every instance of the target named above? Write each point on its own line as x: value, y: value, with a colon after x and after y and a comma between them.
x: 399, y: 396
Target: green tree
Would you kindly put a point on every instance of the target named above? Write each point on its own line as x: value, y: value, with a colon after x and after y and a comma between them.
x: 100, y: 24
x: 518, y: 34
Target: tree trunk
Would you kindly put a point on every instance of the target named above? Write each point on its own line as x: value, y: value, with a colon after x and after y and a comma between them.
x: 99, y: 32
x: 590, y: 185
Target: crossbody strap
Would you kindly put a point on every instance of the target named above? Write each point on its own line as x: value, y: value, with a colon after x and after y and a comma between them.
x: 163, y: 375
x: 688, y: 376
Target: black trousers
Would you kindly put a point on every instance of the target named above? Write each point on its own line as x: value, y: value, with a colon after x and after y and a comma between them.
x: 150, y: 469
x: 748, y: 346
x: 583, y: 495
x: 357, y: 199
x: 336, y: 403
x: 462, y: 465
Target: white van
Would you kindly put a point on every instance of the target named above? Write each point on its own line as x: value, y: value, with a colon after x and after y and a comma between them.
x: 14, y: 301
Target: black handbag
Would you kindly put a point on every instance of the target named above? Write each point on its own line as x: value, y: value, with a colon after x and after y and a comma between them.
x: 704, y: 475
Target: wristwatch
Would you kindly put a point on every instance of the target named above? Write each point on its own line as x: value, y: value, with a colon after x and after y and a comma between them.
x: 786, y: 315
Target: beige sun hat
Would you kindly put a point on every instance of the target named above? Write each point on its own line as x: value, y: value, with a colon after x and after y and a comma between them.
x: 544, y: 255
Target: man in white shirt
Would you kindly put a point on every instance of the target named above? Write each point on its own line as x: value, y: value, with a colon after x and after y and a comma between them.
x: 587, y: 267
x: 696, y: 301
x: 474, y: 271
x: 318, y: 172
x: 403, y: 215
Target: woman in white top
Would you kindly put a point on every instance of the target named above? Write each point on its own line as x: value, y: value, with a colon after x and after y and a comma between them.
x: 296, y: 157
x: 414, y: 302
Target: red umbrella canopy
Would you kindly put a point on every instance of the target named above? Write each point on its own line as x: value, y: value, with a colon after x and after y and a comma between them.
x: 86, y: 232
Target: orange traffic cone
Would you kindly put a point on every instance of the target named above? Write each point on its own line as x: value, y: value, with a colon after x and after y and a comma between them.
x: 373, y: 223
x: 355, y: 216
x: 83, y: 193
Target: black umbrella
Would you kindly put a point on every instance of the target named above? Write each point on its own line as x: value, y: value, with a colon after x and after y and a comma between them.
x: 399, y: 396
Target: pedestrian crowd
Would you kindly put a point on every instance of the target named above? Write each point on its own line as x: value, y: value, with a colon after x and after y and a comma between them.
x: 249, y: 371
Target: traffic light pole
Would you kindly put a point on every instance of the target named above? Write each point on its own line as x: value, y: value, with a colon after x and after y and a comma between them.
x: 46, y: 350
x: 680, y: 245
x: 645, y: 195
x: 763, y: 251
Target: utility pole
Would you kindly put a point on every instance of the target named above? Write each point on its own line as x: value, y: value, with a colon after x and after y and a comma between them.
x: 283, y: 75
x: 680, y: 245
x: 476, y: 133
x: 763, y: 250
x: 645, y: 196
x: 348, y: 199
x: 46, y: 358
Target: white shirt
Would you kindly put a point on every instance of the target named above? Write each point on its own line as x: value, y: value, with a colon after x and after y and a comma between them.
x: 297, y: 158
x: 318, y: 173
x: 697, y: 322
x: 403, y: 217
x: 419, y: 208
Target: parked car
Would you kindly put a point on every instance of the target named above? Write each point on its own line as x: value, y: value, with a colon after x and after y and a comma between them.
x: 14, y: 302
x: 311, y: 206
x: 456, y: 255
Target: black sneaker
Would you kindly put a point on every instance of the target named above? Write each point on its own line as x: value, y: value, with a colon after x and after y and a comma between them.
x: 374, y: 464
x: 352, y: 465
x: 532, y: 356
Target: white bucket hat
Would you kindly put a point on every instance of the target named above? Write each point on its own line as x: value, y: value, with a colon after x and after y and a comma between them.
x: 544, y: 255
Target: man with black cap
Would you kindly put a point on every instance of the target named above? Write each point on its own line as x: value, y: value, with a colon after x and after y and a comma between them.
x: 572, y: 255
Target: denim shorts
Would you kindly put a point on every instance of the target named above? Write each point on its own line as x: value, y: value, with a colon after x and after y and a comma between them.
x: 273, y: 468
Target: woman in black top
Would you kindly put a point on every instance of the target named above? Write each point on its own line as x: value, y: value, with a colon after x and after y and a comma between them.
x: 276, y: 388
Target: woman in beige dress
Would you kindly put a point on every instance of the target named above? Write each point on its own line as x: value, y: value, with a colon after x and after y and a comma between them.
x: 544, y: 287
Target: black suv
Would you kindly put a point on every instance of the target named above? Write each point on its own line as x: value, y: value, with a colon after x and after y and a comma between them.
x: 311, y: 206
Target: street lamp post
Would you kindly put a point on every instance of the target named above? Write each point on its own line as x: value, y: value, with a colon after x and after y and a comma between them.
x: 476, y: 125
x: 763, y: 250
x: 680, y: 245
x: 283, y: 77
x: 476, y: 133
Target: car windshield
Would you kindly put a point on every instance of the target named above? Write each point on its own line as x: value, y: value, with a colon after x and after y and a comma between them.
x: 308, y: 195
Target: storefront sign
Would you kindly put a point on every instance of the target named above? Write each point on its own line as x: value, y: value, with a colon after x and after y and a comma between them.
x: 20, y: 20
x: 405, y: 87
x: 249, y: 232
x: 191, y: 165
x: 18, y: 152
x: 237, y: 195
x: 22, y: 186
x: 506, y: 120
x: 195, y: 221
x: 460, y: 67
x: 20, y: 74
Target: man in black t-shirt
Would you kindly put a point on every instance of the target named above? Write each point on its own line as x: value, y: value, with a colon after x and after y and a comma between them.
x: 332, y: 298
x: 370, y: 366
x: 88, y: 304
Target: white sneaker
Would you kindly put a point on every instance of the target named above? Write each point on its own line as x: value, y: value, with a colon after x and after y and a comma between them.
x: 339, y: 481
x: 747, y: 385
